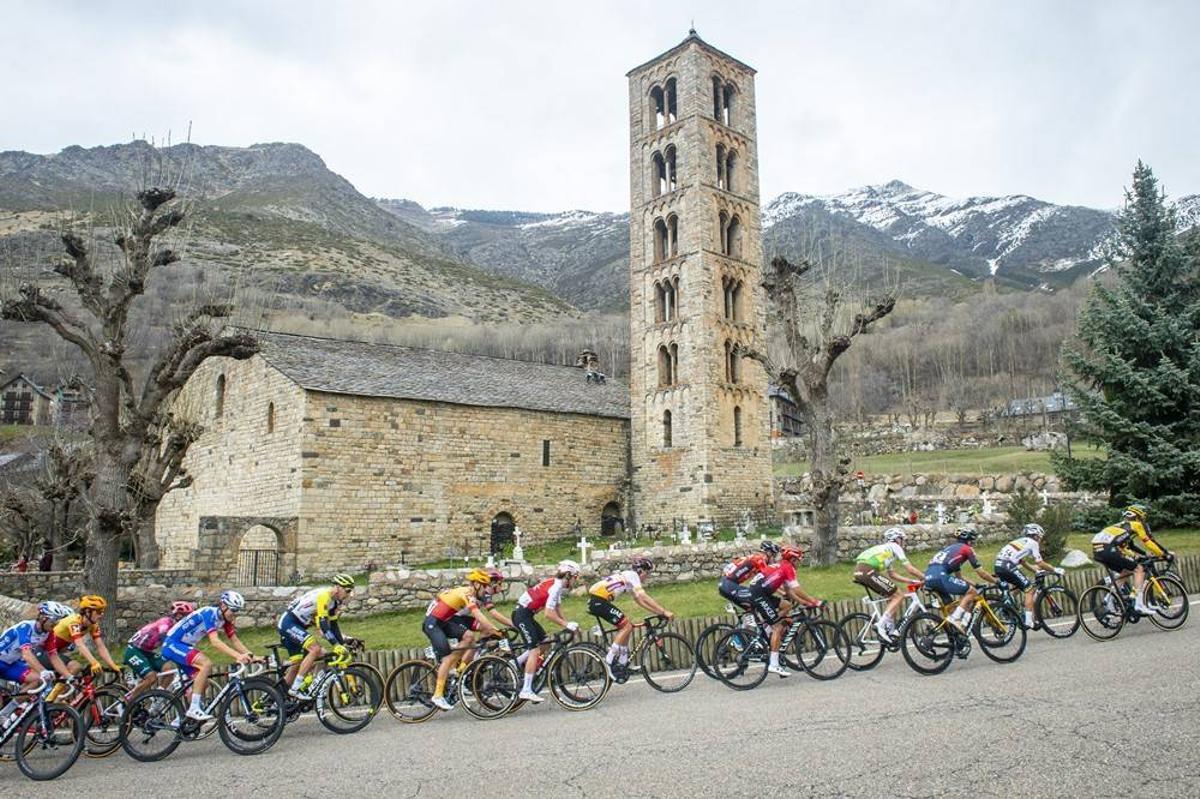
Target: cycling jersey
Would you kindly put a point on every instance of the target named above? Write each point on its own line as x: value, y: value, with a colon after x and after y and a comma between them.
x: 546, y: 594
x: 951, y: 559
x: 881, y: 556
x: 315, y: 605
x: 149, y: 637
x: 21, y: 636
x: 743, y: 569
x: 777, y: 576
x: 1016, y: 551
x: 197, y: 624
x: 1121, y: 536
x: 616, y: 584
x: 68, y: 631
x: 454, y: 602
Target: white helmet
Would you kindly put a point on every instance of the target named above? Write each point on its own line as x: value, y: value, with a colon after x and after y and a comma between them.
x: 233, y: 600
x: 54, y: 610
x: 1033, y: 530
x: 568, y: 567
x: 894, y: 534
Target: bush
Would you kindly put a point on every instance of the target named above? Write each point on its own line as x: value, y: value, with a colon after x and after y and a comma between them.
x: 1095, y: 518
x: 1058, y: 521
x: 1023, y: 508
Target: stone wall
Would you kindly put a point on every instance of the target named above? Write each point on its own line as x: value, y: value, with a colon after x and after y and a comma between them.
x: 14, y: 610
x: 66, y: 586
x: 937, y: 486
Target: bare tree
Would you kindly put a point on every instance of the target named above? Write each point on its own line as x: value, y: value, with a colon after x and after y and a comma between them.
x: 44, y: 506
x: 802, y: 368
x: 135, y: 448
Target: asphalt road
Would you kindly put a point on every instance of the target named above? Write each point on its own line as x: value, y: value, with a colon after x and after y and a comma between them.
x: 1073, y: 718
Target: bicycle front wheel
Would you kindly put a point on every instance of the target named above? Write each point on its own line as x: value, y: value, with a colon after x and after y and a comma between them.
x: 927, y: 643
x: 49, y: 741
x: 350, y: 699
x: 1169, y: 600
x: 151, y: 724
x: 488, y: 687
x: 668, y: 662
x: 251, y: 717
x: 579, y: 678
x: 102, y: 722
x: 409, y: 691
x: 706, y: 642
x: 740, y: 659
x: 1000, y: 633
x: 1101, y: 612
x: 1057, y: 610
x: 866, y: 650
x: 822, y: 649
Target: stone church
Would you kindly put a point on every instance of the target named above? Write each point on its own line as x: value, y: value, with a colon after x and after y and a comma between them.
x: 325, y: 454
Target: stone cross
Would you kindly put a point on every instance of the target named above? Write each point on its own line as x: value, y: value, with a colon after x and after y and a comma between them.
x: 685, y: 535
x: 518, y: 551
x: 940, y: 510
x: 987, y: 504
x: 1045, y: 498
x: 583, y: 546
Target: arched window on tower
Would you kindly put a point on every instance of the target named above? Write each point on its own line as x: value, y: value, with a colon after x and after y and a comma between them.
x: 666, y: 422
x: 672, y: 105
x: 672, y: 236
x: 674, y: 364
x: 673, y: 297
x: 723, y: 233
x: 721, y: 166
x: 730, y: 163
x: 658, y: 179
x: 664, y: 366
x: 661, y: 240
x: 733, y: 299
x: 728, y: 361
x: 658, y: 107
x: 733, y: 237
x: 727, y: 94
x: 671, y: 179
x: 737, y: 426
x: 660, y: 303
x: 717, y: 97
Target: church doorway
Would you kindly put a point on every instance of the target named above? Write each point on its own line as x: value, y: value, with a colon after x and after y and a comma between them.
x: 502, y: 532
x: 611, y: 521
x: 258, y: 557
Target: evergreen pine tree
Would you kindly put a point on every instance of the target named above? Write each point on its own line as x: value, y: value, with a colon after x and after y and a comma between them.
x: 1134, y: 370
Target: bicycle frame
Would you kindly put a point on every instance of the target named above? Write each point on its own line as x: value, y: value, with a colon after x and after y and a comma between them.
x: 37, y: 704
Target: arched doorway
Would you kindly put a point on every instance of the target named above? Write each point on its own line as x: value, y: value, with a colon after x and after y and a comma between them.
x: 611, y: 521
x: 258, y: 557
x: 503, y: 525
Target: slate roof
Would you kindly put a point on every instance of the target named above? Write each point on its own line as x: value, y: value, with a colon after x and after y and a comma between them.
x: 692, y: 37
x: 357, y: 368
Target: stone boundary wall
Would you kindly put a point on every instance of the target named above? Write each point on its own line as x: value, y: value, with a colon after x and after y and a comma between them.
x: 66, y: 585
x: 14, y: 610
x: 934, y: 486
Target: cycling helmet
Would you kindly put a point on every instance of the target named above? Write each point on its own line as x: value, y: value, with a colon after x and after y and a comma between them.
x: 182, y: 608
x: 92, y: 602
x: 1033, y: 530
x: 233, y: 600
x: 1136, y: 512
x: 343, y: 580
x: 496, y: 575
x: 54, y: 610
x: 966, y: 534
x: 568, y: 567
x: 770, y: 548
x: 894, y: 534
x: 643, y: 565
x: 479, y: 576
x: 791, y: 553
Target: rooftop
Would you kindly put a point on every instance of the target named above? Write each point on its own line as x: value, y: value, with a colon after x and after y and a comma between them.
x: 692, y: 38
x: 357, y: 368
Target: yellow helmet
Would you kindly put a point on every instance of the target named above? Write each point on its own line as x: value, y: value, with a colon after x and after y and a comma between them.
x: 92, y: 602
x: 479, y: 576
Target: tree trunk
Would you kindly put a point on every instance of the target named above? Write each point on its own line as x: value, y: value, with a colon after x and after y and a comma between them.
x: 109, y: 499
x: 147, y: 545
x: 826, y: 482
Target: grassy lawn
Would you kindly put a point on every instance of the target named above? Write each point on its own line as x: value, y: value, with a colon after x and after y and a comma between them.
x: 987, y: 460
x: 397, y: 630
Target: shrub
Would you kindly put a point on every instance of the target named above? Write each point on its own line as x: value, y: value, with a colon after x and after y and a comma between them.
x: 1023, y: 508
x: 1058, y: 521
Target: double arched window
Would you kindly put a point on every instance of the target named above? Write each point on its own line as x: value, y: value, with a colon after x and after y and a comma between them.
x: 664, y: 179
x: 730, y: 231
x: 664, y: 106
x: 726, y: 163
x: 733, y: 363
x: 668, y: 365
x: 723, y: 94
x: 733, y: 298
x: 666, y: 299
x: 666, y: 238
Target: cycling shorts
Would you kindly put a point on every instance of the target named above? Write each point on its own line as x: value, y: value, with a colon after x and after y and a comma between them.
x: 141, y: 662
x: 946, y: 583
x: 14, y: 671
x: 1114, y: 558
x: 292, y: 634
x: 874, y: 581
x: 735, y: 593
x: 525, y: 620
x: 603, y: 609
x: 1012, y: 574
x: 440, y: 632
x: 765, y: 605
x: 181, y: 655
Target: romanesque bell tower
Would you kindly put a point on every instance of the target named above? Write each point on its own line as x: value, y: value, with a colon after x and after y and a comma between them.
x: 700, y: 421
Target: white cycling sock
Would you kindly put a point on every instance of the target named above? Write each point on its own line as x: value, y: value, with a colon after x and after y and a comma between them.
x: 196, y: 702
x: 524, y: 656
x: 624, y: 656
x: 529, y: 683
x: 612, y: 653
x: 774, y: 660
x: 296, y: 683
x: 1029, y: 618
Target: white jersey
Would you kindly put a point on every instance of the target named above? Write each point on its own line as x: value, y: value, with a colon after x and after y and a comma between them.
x: 1016, y: 551
x: 616, y: 584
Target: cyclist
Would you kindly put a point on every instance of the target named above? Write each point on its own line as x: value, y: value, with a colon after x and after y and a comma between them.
x: 20, y: 644
x: 1113, y: 545
x: 547, y: 594
x: 140, y: 653
x: 443, y: 622
x: 69, y: 634
x: 941, y: 574
x: 1010, y: 560
x: 770, y: 609
x: 600, y: 604
x: 868, y: 572
x: 179, y: 647
x: 737, y: 573
x: 319, y: 606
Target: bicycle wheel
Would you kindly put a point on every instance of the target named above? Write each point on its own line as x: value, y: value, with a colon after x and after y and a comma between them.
x: 1101, y: 612
x: 102, y: 722
x: 251, y: 717
x: 1057, y: 610
x: 488, y: 687
x: 1169, y: 599
x: 668, y: 662
x: 1000, y: 633
x: 823, y: 650
x: 579, y: 678
x: 349, y: 699
x: 926, y: 643
x: 740, y: 659
x: 409, y: 691
x: 706, y: 642
x: 48, y: 741
x: 866, y: 650
x: 150, y: 726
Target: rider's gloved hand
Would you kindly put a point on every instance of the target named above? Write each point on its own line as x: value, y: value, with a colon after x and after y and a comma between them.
x: 341, y: 651
x: 96, y: 667
x: 47, y: 675
x: 1060, y: 571
x: 573, y: 626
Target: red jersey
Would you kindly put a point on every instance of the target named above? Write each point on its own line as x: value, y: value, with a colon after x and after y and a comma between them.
x: 743, y: 569
x: 779, y: 575
x: 547, y: 593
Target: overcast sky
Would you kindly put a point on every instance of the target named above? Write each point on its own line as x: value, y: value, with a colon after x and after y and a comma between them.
x: 522, y: 105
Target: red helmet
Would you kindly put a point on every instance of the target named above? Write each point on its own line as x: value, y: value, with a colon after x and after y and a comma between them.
x: 182, y: 608
x: 496, y: 575
x: 791, y: 553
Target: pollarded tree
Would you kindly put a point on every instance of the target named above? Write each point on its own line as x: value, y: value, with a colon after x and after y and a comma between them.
x: 1134, y: 370
x: 813, y: 338
x: 137, y: 445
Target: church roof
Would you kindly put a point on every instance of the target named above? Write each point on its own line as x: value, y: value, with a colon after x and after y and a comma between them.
x: 692, y: 37
x: 357, y: 368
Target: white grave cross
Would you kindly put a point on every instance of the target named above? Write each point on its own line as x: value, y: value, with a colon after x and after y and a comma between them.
x: 583, y: 546
x: 940, y: 510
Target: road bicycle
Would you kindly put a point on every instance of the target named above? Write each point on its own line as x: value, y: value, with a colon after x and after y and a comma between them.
x: 483, y: 688
x: 741, y: 656
x: 866, y: 645
x: 929, y: 642
x: 248, y: 713
x: 1055, y: 607
x: 1104, y: 610
x: 574, y: 672
x: 101, y: 708
x: 345, y: 695
x: 707, y: 640
x: 47, y: 737
x: 666, y: 660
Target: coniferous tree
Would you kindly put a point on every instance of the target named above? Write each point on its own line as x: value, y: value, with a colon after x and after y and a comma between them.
x: 1134, y: 369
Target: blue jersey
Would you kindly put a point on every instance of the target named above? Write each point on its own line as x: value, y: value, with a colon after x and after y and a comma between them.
x: 197, y: 624
x: 951, y: 559
x: 24, y: 635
